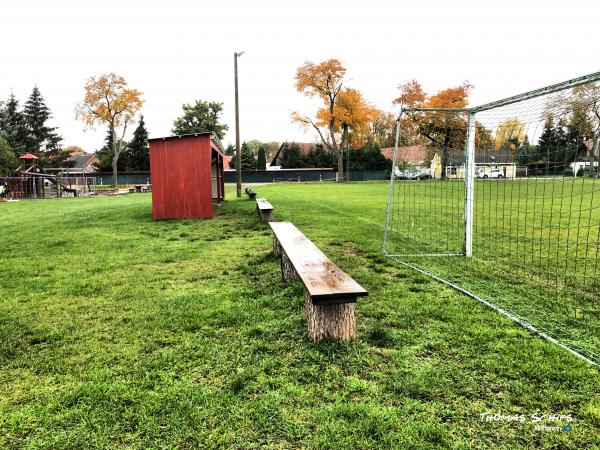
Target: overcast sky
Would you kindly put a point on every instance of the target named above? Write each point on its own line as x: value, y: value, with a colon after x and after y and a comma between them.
x: 176, y: 51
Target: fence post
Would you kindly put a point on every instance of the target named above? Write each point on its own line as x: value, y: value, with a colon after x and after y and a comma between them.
x: 469, y: 185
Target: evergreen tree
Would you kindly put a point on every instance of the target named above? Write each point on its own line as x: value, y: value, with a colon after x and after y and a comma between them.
x: 248, y: 161
x: 261, y: 159
x: 230, y: 150
x: 319, y: 157
x: 291, y: 157
x: 13, y: 126
x: 367, y: 159
x: 138, y: 152
x: 42, y: 140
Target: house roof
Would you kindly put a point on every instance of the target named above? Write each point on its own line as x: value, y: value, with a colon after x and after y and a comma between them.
x: 305, y: 147
x: 83, y: 160
x: 482, y: 156
x: 226, y: 161
x: 414, y: 154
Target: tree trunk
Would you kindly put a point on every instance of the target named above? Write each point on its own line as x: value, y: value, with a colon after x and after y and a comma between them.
x: 330, y: 322
x: 276, y: 246
x: 114, y: 170
x: 288, y: 273
x: 338, y: 153
x: 595, y: 155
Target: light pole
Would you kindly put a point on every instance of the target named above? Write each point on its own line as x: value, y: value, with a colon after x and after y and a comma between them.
x: 238, y: 152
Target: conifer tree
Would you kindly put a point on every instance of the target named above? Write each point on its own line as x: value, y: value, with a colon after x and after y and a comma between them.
x: 261, y: 159
x: 13, y: 126
x: 248, y: 161
x: 138, y: 154
x: 42, y: 140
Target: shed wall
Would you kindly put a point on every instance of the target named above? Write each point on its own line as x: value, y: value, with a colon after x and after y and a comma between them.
x: 181, y: 178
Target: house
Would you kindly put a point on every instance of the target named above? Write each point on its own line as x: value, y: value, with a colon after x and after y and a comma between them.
x: 82, y: 163
x: 420, y: 158
x: 226, y: 160
x: 485, y: 160
x: 187, y: 176
x: 576, y: 166
x: 274, y: 163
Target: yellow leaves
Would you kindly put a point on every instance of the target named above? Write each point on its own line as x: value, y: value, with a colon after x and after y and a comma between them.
x: 456, y: 97
x: 108, y: 100
x: 411, y: 94
x: 343, y: 108
x: 323, y: 79
x: 511, y: 131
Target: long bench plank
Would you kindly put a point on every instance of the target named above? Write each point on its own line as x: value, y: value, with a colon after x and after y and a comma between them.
x: 323, y: 280
x: 263, y: 204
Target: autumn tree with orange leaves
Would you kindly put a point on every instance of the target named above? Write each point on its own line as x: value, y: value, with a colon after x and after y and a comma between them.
x: 440, y: 129
x: 108, y: 101
x: 345, y: 116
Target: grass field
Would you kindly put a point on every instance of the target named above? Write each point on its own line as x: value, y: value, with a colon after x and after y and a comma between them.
x: 120, y: 332
x: 536, y: 244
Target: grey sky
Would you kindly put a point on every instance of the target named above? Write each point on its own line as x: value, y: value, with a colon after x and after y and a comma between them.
x: 179, y: 51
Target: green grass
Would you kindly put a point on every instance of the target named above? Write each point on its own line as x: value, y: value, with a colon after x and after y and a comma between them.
x: 535, y: 248
x: 120, y: 332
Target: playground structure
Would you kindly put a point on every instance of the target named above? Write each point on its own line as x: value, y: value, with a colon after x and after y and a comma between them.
x: 28, y: 181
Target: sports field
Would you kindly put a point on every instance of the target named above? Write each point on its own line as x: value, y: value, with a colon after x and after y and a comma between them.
x: 536, y: 244
x: 120, y: 332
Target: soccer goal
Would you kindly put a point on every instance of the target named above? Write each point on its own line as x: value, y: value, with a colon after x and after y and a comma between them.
x: 509, y: 213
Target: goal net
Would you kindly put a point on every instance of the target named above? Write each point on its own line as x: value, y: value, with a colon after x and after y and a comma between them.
x: 506, y: 208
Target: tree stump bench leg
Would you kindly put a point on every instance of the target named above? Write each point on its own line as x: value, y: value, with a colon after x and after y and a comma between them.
x: 330, y: 322
x: 266, y: 216
x: 276, y: 246
x: 288, y: 272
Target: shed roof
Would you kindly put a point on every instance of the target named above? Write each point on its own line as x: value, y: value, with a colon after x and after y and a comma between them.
x: 213, y: 138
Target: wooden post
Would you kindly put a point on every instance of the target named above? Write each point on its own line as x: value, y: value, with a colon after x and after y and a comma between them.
x: 266, y: 215
x: 330, y: 322
x: 276, y: 246
x: 288, y: 272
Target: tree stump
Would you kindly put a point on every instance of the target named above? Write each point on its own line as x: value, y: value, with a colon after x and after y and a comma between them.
x: 330, y: 322
x: 276, y: 246
x: 287, y: 269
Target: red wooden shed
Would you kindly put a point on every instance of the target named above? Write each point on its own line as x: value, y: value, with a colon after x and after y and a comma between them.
x: 187, y: 176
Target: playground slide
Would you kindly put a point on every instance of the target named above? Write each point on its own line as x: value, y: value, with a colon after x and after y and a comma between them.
x: 56, y: 183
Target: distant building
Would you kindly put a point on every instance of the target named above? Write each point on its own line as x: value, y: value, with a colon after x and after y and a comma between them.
x: 226, y: 160
x: 485, y: 160
x: 419, y: 158
x: 82, y: 163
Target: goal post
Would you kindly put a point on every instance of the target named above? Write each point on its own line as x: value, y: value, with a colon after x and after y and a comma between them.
x: 506, y: 207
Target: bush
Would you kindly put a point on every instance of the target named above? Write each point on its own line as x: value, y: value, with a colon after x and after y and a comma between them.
x: 568, y: 173
x: 8, y: 159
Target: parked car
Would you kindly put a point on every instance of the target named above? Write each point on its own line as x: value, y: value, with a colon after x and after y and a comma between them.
x: 494, y: 173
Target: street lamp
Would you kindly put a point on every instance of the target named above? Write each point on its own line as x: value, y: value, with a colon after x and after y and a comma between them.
x: 238, y: 152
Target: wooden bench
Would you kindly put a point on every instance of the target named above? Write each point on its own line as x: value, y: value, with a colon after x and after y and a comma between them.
x: 251, y: 193
x: 265, y: 210
x: 330, y: 293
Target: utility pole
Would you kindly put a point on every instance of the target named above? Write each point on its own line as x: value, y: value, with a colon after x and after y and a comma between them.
x: 238, y: 151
